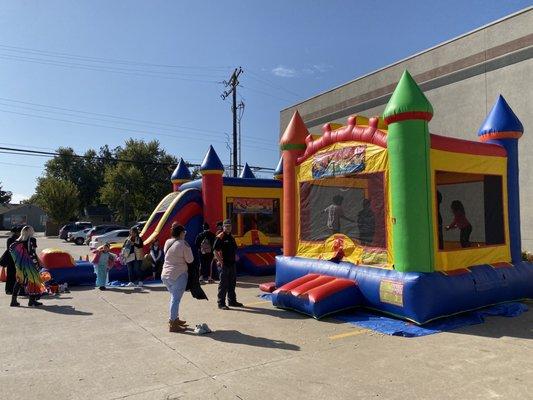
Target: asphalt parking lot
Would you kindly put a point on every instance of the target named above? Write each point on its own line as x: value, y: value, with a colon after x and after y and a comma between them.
x: 115, y: 344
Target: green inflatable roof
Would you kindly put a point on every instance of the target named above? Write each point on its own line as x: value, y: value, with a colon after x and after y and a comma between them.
x: 408, y: 99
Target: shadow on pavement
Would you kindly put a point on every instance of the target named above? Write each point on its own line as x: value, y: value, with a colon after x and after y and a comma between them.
x: 236, y: 337
x: 125, y: 290
x: 273, y: 312
x: 66, y: 310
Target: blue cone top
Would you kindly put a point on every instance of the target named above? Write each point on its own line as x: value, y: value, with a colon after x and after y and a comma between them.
x: 247, y: 172
x: 501, y: 122
x: 279, y: 168
x: 181, y: 172
x: 211, y: 161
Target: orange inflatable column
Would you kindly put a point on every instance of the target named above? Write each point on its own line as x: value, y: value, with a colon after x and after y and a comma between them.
x: 292, y: 144
x: 212, y: 182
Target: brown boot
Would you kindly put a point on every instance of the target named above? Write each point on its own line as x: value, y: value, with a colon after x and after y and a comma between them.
x: 180, y: 322
x: 174, y: 326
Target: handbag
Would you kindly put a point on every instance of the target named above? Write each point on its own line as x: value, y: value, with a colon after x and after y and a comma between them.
x: 3, y: 274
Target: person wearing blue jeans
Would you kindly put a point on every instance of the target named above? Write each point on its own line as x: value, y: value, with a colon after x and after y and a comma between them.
x: 176, y: 288
x: 174, y: 275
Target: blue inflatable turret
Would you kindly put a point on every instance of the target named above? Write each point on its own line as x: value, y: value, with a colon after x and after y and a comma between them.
x: 180, y: 175
x: 503, y: 127
x: 278, y: 173
x: 247, y: 172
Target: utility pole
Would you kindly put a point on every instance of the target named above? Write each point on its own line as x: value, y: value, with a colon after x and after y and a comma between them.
x: 240, y: 108
x: 232, y: 84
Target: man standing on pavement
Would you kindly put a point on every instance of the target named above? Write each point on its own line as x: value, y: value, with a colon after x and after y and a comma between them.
x: 225, y: 248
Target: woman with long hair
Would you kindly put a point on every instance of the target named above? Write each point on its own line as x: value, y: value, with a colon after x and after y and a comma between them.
x: 27, y: 265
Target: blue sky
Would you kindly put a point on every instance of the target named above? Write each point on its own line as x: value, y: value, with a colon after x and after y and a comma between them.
x: 88, y: 73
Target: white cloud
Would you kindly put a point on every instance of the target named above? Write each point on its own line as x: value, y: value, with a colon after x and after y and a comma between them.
x: 284, y: 72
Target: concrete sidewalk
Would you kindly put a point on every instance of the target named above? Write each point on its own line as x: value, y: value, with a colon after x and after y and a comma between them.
x: 115, y: 344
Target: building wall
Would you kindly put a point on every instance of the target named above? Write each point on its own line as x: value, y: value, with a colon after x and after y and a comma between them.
x: 461, y: 79
x: 34, y: 215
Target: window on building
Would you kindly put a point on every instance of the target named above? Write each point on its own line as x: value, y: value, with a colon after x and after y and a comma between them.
x: 469, y: 210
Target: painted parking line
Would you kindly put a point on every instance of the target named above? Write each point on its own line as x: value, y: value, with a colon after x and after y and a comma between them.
x: 257, y: 303
x: 353, y: 332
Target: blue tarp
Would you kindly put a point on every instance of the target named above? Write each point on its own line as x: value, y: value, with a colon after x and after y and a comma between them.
x: 396, y: 327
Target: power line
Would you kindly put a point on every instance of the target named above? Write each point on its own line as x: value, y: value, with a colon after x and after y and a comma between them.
x: 134, y: 121
x: 21, y: 165
x: 265, y: 81
x: 108, y: 60
x: 115, y: 70
x: 26, y: 146
x: 265, y: 93
x: 135, y: 131
x: 26, y: 58
x: 18, y: 151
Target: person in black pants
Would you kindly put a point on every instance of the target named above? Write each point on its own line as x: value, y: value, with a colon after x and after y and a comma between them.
x: 225, y: 249
x: 204, y: 243
x: 7, y: 261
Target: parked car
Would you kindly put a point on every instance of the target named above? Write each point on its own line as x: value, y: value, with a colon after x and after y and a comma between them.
x: 78, y: 237
x: 100, y: 230
x: 73, y: 227
x: 116, y: 236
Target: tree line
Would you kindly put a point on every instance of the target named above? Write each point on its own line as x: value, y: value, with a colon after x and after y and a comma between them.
x: 130, y: 188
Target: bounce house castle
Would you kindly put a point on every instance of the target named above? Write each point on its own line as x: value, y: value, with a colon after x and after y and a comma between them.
x: 252, y: 204
x: 370, y: 210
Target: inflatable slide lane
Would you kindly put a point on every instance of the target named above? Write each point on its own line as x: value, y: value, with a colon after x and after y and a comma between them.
x: 184, y: 207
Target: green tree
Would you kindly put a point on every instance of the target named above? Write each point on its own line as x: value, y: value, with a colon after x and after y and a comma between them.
x: 59, y: 198
x: 135, y: 187
x: 5, y: 196
x: 85, y: 172
x: 31, y: 200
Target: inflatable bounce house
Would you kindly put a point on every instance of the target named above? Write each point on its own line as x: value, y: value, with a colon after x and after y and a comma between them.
x: 64, y: 269
x: 253, y: 205
x: 384, y: 215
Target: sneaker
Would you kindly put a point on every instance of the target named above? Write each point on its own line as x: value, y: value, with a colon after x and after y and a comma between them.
x: 206, y: 328
x: 223, y: 307
x: 236, y: 304
x: 15, y: 304
x: 130, y: 284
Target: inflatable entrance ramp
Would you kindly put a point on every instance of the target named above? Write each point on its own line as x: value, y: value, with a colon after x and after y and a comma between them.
x: 318, y: 295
